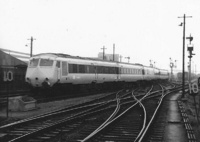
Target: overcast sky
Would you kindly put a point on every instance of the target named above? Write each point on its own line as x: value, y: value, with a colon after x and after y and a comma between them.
x: 141, y: 29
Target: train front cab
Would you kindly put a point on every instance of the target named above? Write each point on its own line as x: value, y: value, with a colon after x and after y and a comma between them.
x: 41, y: 72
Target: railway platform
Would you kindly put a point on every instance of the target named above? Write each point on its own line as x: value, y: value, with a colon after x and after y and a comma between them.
x: 175, y: 130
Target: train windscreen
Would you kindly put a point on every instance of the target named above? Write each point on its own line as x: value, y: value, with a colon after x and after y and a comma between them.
x: 33, y: 62
x: 46, y: 62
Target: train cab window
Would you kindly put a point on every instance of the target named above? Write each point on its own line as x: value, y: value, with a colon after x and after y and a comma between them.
x: 46, y: 62
x: 58, y: 64
x: 34, y: 62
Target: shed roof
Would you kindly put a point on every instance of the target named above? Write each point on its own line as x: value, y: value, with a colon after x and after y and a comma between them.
x: 9, y: 60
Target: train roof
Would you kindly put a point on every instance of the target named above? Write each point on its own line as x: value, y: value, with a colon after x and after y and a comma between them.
x: 83, y: 58
x: 93, y: 59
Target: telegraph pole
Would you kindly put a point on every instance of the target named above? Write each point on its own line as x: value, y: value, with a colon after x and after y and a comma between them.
x: 103, y: 51
x: 31, y: 53
x: 113, y: 52
x: 183, y: 71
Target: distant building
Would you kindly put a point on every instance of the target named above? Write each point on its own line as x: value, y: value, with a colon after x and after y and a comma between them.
x: 109, y: 57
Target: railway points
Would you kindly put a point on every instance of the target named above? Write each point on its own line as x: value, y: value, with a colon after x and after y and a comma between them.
x: 174, y: 127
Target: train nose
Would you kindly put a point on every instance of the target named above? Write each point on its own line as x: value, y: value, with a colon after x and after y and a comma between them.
x: 35, y: 77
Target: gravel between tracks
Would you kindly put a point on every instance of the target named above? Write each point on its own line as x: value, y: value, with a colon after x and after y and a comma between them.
x: 42, y: 108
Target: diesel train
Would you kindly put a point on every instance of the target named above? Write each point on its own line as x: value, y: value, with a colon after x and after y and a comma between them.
x: 48, y: 70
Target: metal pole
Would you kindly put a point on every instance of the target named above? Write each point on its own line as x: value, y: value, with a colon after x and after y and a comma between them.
x: 31, y: 52
x: 183, y: 72
x: 31, y: 46
x: 190, y: 72
x: 7, y: 82
x: 103, y: 52
x: 113, y: 52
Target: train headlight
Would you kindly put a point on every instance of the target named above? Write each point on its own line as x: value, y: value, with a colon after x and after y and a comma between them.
x: 28, y: 80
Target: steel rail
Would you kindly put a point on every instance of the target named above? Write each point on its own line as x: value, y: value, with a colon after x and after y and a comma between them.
x: 155, y: 112
x: 112, y: 120
x: 81, y: 114
x: 90, y: 103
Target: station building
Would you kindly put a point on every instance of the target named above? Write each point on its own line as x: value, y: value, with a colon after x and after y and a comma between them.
x: 12, y: 71
x: 109, y: 57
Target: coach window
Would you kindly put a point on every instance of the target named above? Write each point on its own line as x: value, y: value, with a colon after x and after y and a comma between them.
x: 64, y: 68
x: 113, y: 70
x: 91, y: 69
x: 81, y: 68
x: 123, y: 71
x: 99, y: 69
x: 70, y: 67
x: 87, y: 69
x: 106, y: 70
x: 143, y: 71
x: 75, y: 68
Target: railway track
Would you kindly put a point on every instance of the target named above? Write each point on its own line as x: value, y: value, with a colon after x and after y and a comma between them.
x: 19, y: 130
x: 133, y: 123
x: 103, y: 119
